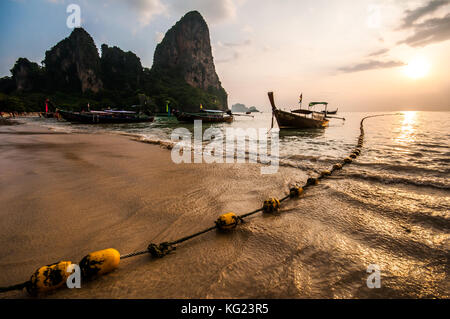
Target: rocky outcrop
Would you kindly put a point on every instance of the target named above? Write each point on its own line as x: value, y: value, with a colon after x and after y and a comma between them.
x: 183, y: 74
x: 74, y: 63
x: 241, y: 108
x: 253, y: 109
x: 26, y: 75
x: 120, y: 70
x: 186, y: 52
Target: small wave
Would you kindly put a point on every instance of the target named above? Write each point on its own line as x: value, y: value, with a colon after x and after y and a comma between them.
x: 311, y: 158
x: 443, y: 160
x: 403, y: 168
x: 431, y: 145
x: 144, y: 139
x: 399, y: 180
x: 416, y: 154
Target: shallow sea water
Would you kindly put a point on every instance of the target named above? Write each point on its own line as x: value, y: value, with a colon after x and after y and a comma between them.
x: 389, y: 208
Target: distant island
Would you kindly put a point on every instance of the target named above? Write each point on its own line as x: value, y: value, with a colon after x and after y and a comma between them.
x: 241, y: 108
x: 73, y: 74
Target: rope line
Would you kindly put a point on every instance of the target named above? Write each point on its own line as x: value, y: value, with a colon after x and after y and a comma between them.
x: 270, y: 206
x: 14, y: 287
x: 310, y: 182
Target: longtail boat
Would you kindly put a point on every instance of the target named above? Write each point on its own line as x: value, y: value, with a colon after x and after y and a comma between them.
x: 47, y: 115
x: 206, y: 116
x: 330, y: 112
x: 326, y: 106
x: 106, y: 116
x: 297, y: 119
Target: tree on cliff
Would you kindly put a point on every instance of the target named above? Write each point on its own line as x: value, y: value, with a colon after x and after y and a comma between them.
x: 27, y: 75
x: 73, y: 73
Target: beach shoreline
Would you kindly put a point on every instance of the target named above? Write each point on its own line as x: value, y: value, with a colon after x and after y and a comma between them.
x: 65, y: 195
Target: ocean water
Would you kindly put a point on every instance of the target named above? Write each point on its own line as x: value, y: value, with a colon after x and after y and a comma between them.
x: 390, y: 207
x: 410, y: 148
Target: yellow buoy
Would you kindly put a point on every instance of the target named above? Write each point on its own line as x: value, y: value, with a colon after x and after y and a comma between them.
x: 227, y: 221
x: 48, y: 278
x: 312, y: 181
x: 325, y: 173
x: 337, y: 166
x: 271, y: 205
x: 99, y: 263
x: 347, y: 160
x: 353, y: 155
x: 295, y: 192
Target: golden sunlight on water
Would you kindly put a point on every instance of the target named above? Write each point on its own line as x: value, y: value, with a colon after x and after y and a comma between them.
x: 407, y: 129
x: 389, y: 208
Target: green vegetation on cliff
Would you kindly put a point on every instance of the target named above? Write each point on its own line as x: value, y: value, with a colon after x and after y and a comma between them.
x: 73, y: 74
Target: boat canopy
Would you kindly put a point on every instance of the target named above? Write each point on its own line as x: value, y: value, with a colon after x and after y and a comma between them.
x: 301, y: 111
x: 120, y: 112
x: 315, y: 103
x: 213, y: 111
x: 97, y: 112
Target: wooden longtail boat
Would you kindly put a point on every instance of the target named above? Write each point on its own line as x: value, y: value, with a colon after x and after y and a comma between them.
x: 297, y: 119
x: 207, y: 116
x: 326, y: 105
x: 107, y: 116
x: 330, y: 112
x: 47, y: 115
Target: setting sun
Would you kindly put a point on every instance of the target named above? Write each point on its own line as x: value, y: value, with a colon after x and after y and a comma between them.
x: 417, y: 68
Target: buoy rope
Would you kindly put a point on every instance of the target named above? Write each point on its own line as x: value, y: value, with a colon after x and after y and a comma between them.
x: 270, y: 205
x: 310, y: 182
x: 14, y: 287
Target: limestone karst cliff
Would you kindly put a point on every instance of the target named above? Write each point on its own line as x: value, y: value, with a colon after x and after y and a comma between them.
x: 74, y: 63
x: 185, y: 53
x: 73, y: 73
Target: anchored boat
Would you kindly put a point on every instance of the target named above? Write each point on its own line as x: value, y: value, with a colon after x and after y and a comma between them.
x: 297, y: 119
x: 106, y: 116
x: 330, y: 112
x: 47, y: 115
x: 326, y: 106
x: 206, y: 116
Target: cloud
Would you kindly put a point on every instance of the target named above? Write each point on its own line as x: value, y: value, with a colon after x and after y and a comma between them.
x: 214, y: 11
x: 234, y: 50
x: 430, y: 31
x: 234, y: 57
x: 379, y: 52
x: 414, y: 15
x: 236, y: 45
x: 146, y: 9
x: 370, y: 65
x: 248, y: 29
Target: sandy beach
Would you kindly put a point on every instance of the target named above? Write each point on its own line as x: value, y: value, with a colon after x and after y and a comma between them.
x: 65, y: 195
x: 331, y: 123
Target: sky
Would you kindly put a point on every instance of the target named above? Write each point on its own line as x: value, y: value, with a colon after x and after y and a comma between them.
x: 362, y: 55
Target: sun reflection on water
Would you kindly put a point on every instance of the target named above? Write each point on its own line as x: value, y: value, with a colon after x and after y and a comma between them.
x: 408, y: 128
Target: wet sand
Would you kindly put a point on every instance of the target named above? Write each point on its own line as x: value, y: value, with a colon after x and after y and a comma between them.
x: 65, y: 195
